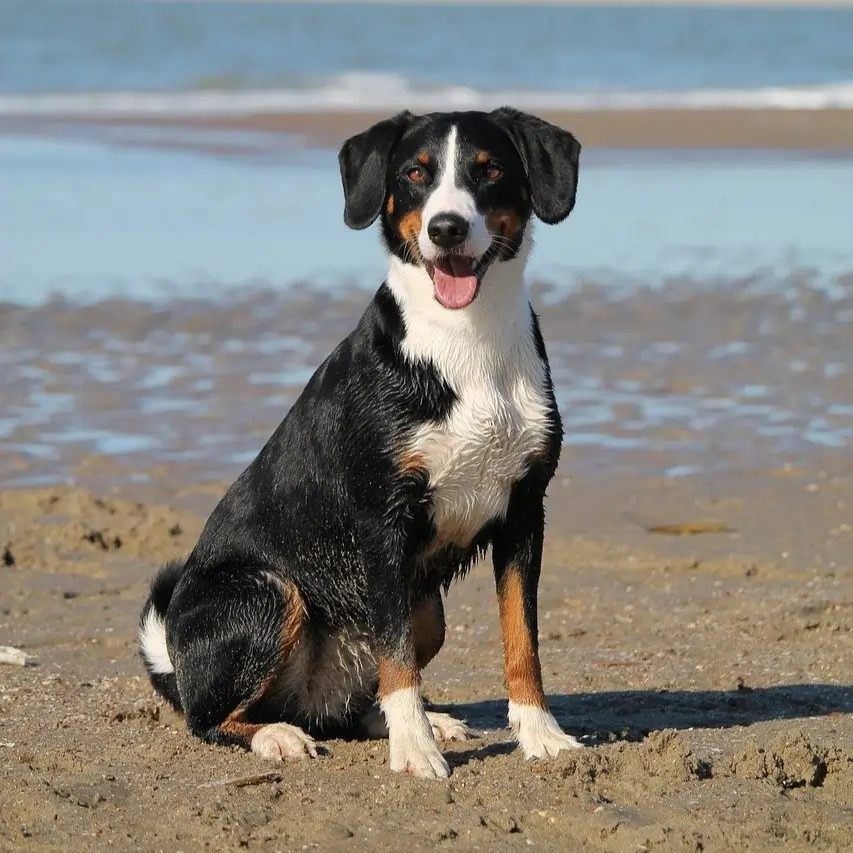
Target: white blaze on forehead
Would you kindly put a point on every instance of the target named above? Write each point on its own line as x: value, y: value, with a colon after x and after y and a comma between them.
x: 449, y: 197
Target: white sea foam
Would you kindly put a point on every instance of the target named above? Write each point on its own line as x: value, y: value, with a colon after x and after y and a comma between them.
x: 385, y: 92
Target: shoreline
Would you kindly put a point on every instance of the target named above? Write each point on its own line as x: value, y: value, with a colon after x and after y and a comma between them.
x: 734, y: 129
x: 637, y: 378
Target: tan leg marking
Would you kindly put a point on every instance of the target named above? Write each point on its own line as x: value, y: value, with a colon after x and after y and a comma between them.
x: 394, y: 676
x: 534, y: 726
x: 521, y: 660
x: 412, y: 745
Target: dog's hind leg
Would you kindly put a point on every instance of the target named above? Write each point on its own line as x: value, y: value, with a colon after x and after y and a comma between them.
x: 230, y: 642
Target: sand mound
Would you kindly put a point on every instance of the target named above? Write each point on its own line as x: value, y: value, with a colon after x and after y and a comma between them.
x: 61, y: 527
x: 792, y: 760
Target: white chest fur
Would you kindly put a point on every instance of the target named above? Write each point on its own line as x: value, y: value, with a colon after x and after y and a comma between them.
x: 501, y: 418
x: 499, y: 421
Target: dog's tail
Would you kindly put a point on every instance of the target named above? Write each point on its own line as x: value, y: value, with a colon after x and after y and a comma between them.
x: 152, y: 633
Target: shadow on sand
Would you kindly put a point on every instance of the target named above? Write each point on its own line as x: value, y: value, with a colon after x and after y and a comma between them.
x: 631, y: 714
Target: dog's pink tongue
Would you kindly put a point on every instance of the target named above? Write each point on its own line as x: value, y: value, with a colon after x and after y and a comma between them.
x: 454, y: 282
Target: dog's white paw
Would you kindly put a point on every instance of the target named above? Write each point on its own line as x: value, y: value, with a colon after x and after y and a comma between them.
x: 445, y: 727
x: 413, y: 746
x: 283, y: 742
x: 418, y: 756
x: 538, y: 734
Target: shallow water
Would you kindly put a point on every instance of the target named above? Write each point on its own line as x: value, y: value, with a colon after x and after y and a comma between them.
x: 90, y: 219
x: 697, y: 306
x: 686, y: 379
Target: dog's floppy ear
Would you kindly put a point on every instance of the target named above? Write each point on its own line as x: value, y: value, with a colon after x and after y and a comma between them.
x: 550, y: 156
x: 363, y: 160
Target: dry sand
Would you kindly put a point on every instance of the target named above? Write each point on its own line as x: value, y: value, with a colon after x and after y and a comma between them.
x: 710, y: 676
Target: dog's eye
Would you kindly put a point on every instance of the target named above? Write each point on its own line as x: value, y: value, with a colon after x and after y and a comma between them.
x: 494, y: 172
x: 416, y: 175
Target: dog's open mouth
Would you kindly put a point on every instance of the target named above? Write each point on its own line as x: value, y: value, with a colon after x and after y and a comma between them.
x: 456, y: 279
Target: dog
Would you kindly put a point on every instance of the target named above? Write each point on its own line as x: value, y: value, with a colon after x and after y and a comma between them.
x: 313, y: 599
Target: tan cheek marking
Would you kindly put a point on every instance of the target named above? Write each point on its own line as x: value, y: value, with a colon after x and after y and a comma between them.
x: 521, y: 662
x: 427, y: 630
x: 482, y: 157
x: 410, y: 227
x: 394, y: 676
x: 423, y: 158
x: 390, y: 206
x: 504, y: 222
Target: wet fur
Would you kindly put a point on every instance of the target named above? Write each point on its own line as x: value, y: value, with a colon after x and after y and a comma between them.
x: 425, y: 437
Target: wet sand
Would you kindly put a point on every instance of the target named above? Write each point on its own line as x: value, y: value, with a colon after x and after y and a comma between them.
x: 722, y: 375
x: 709, y: 675
x: 782, y: 129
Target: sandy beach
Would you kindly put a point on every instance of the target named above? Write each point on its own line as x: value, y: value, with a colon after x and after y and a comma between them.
x: 696, y: 629
x: 708, y: 675
x: 176, y: 266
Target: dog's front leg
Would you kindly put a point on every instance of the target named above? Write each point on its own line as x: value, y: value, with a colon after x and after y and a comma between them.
x: 412, y: 742
x: 517, y: 559
x: 413, y: 746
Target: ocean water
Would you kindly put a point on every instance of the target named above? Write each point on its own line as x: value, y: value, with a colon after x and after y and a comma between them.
x: 91, y: 220
x: 155, y: 211
x: 108, y: 58
x: 697, y: 304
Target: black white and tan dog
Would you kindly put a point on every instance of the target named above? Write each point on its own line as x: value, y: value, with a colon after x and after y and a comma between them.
x: 313, y: 598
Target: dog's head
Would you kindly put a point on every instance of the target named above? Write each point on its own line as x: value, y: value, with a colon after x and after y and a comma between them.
x: 456, y: 191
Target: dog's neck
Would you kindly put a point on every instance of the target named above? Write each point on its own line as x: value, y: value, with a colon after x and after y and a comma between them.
x: 469, y: 341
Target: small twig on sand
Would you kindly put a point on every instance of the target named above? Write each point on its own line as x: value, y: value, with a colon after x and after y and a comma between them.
x: 243, y: 781
x: 690, y: 528
x: 16, y: 657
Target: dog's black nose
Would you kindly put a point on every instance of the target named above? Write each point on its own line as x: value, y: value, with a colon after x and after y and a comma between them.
x: 447, y: 230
